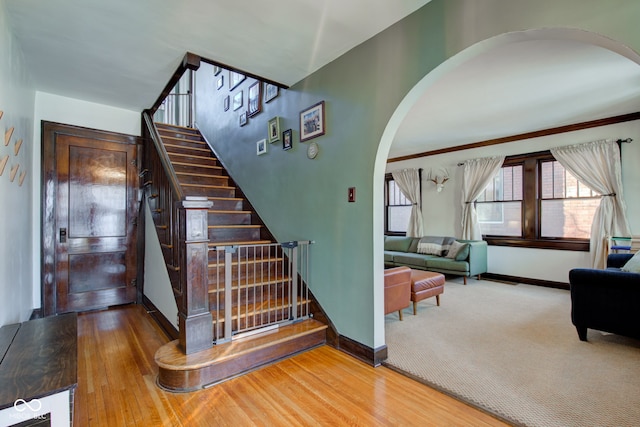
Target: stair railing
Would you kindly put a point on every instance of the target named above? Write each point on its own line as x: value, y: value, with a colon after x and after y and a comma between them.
x: 178, y: 107
x: 258, y: 287
x: 181, y: 223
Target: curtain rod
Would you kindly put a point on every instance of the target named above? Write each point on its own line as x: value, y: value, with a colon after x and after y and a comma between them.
x: 627, y: 140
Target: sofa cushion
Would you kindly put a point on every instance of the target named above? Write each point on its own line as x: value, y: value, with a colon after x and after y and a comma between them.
x: 397, y: 243
x: 414, y: 260
x: 633, y: 265
x: 458, y: 251
x: 388, y: 256
x: 447, y: 264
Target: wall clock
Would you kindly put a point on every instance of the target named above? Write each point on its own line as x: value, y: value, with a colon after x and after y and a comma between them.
x: 312, y: 151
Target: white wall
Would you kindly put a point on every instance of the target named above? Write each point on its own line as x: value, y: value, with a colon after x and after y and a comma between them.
x: 70, y: 111
x: 442, y: 211
x: 157, y: 285
x: 17, y: 103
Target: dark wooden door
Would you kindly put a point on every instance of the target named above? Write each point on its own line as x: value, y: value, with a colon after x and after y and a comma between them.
x: 89, y: 223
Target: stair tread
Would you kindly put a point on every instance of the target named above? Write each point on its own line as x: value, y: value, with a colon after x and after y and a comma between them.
x: 183, y: 147
x: 198, y: 164
x: 191, y: 141
x: 169, y: 125
x: 235, y: 226
x: 238, y: 243
x: 226, y: 187
x: 246, y: 261
x: 170, y: 356
x: 210, y: 157
x: 266, y: 280
x: 202, y: 175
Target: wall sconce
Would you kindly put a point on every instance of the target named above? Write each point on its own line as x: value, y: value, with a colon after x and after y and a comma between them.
x: 439, y: 180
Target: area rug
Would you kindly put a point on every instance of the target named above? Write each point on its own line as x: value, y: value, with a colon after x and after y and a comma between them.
x: 511, y: 350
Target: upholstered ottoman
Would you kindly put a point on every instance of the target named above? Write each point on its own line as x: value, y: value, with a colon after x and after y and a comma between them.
x: 425, y: 284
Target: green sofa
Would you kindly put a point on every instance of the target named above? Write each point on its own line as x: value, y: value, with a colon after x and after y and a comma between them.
x: 470, y: 261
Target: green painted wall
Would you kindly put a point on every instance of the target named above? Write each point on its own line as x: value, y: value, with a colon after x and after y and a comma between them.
x: 365, y: 92
x: 303, y: 199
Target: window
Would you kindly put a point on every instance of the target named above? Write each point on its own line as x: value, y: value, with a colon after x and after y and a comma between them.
x: 397, y: 208
x: 534, y: 202
x: 499, y: 206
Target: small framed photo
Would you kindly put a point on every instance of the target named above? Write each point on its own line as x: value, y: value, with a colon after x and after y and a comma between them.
x: 287, y: 139
x: 273, y: 128
x: 226, y: 103
x: 235, y: 79
x: 261, y: 147
x: 237, y: 101
x: 312, y: 122
x: 270, y: 92
x: 254, y: 100
x: 220, y: 82
x: 243, y: 118
x: 216, y: 70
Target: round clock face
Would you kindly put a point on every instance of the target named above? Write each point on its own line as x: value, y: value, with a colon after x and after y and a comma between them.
x: 312, y: 151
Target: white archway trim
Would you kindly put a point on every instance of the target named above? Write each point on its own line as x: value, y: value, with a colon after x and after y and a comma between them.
x: 412, y: 98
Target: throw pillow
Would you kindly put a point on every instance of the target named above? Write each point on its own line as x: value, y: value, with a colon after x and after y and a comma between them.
x: 458, y: 251
x: 463, y: 253
x: 633, y: 265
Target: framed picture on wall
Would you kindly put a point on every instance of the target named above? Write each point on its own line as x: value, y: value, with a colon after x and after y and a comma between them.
x: 235, y: 79
x: 270, y: 92
x: 312, y: 122
x: 273, y: 129
x: 287, y: 139
x: 226, y: 103
x: 243, y: 118
x: 254, y: 100
x: 237, y: 101
x: 220, y: 82
x: 261, y: 147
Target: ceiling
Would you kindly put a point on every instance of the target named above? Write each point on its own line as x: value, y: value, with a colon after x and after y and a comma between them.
x: 123, y: 52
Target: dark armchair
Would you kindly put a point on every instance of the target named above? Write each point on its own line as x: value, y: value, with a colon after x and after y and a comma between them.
x: 607, y: 300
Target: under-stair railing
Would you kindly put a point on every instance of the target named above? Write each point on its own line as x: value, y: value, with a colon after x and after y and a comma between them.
x: 181, y: 225
x: 257, y: 287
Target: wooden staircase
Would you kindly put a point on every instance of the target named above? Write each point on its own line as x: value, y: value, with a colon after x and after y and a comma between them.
x: 261, y: 288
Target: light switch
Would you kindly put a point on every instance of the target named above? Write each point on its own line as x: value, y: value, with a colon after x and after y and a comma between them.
x: 352, y: 194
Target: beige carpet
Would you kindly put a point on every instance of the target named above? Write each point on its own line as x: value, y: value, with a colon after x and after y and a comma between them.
x: 512, y: 350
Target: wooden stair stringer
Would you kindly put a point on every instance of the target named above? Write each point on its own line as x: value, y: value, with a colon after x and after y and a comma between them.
x: 178, y: 372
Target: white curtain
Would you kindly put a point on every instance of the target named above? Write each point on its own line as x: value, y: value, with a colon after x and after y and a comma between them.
x: 477, y: 175
x: 408, y: 180
x: 597, y: 165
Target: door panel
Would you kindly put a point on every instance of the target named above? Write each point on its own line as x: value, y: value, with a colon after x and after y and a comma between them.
x: 89, y: 227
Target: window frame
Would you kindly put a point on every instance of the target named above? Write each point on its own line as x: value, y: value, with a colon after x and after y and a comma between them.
x: 532, y: 208
x: 389, y: 177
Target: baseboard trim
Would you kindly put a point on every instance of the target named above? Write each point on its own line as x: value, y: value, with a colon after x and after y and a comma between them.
x: 160, y: 318
x: 525, y: 280
x: 366, y: 354
x: 36, y: 314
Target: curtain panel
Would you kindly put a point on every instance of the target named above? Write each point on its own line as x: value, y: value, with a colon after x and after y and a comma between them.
x: 408, y: 180
x: 477, y: 175
x: 597, y: 165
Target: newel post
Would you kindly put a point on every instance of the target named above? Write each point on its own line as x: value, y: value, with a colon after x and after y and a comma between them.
x: 194, y: 318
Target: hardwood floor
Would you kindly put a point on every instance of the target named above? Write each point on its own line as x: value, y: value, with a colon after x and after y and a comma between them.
x: 117, y: 374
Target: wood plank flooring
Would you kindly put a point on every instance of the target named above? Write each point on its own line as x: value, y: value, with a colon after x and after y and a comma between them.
x: 117, y: 374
